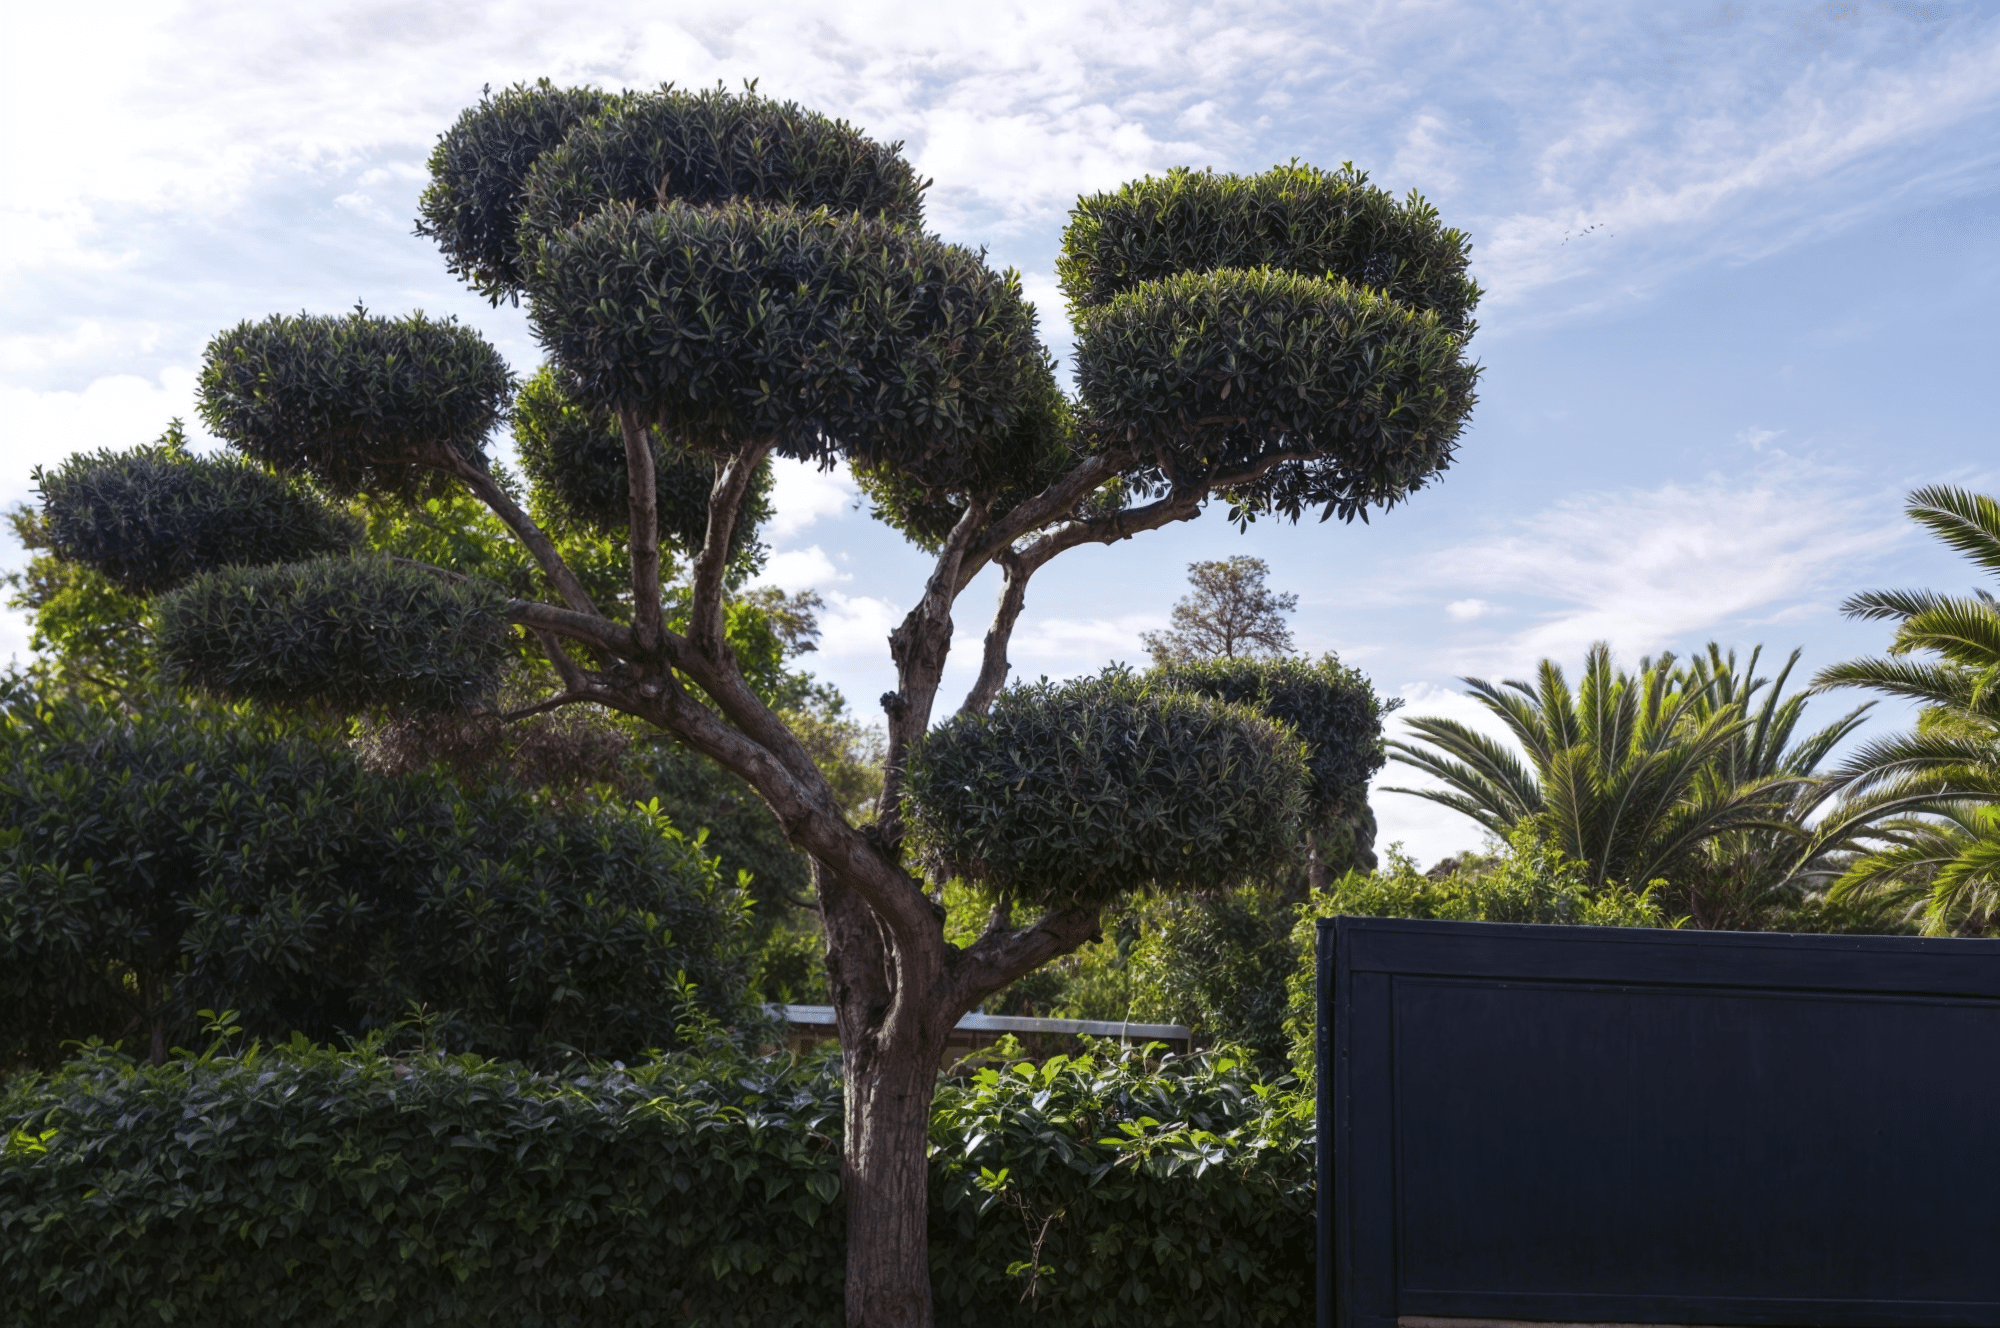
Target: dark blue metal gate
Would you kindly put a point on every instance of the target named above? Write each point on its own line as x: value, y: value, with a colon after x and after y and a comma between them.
x: 1598, y: 1125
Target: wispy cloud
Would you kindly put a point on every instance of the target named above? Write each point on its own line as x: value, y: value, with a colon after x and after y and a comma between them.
x: 1648, y: 569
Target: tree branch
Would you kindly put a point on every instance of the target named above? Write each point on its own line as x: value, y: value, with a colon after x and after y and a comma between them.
x: 566, y: 668
x: 920, y: 645
x: 993, y: 664
x: 643, y: 532
x: 1003, y: 956
x: 612, y: 637
x: 805, y: 807
x: 532, y: 536
x: 1056, y: 501
x: 725, y: 502
x: 543, y: 707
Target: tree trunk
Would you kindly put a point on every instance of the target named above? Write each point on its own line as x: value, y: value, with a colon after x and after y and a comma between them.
x: 885, y: 1174
x: 891, y: 1039
x: 153, y: 992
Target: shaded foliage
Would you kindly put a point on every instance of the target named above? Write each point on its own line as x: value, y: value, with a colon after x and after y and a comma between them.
x: 574, y: 458
x: 272, y: 1186
x: 151, y: 517
x: 162, y: 862
x: 350, y: 633
x: 356, y: 402
x: 1079, y: 792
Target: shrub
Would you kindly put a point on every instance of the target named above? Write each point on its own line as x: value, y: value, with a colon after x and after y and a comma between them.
x: 154, y: 864
x: 1084, y: 790
x: 152, y: 517
x: 306, y: 1185
x: 353, y: 633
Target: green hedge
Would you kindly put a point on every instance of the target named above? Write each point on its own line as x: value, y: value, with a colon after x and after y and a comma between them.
x: 310, y: 1186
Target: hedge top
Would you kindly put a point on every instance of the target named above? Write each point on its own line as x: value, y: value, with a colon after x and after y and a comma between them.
x: 826, y: 334
x: 152, y: 517
x: 1072, y: 794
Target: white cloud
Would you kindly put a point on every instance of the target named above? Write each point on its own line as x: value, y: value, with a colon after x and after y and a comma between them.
x: 1754, y: 437
x: 1469, y: 610
x: 800, y: 569
x: 802, y: 493
x: 857, y: 626
x: 1427, y: 830
x: 116, y: 411
x: 1654, y: 568
x: 1060, y: 647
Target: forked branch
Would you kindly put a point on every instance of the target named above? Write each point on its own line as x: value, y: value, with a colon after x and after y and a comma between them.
x: 993, y: 665
x: 725, y: 504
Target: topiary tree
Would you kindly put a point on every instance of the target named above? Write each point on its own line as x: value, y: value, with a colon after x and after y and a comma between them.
x: 731, y: 278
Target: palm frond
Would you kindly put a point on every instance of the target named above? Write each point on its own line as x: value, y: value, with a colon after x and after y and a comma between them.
x: 1966, y: 521
x: 1875, y: 605
x: 1932, y: 684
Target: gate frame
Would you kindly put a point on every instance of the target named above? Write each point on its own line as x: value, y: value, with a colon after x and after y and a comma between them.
x: 1360, y: 1247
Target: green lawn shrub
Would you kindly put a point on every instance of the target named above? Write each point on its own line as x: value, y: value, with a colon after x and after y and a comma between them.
x: 176, y: 858
x: 307, y: 1186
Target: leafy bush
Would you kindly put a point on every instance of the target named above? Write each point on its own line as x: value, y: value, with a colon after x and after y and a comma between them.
x: 356, y: 402
x: 479, y: 172
x: 708, y: 147
x: 1291, y: 218
x: 1220, y: 964
x: 831, y: 334
x: 151, y: 517
x: 158, y: 863
x: 1351, y: 399
x: 355, y: 1189
x: 1331, y: 707
x: 1086, y: 790
x: 351, y: 633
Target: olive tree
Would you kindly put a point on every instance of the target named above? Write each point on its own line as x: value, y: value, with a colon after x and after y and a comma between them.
x: 724, y: 278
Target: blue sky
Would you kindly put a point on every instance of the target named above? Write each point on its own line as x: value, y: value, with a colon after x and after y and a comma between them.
x: 1740, y: 263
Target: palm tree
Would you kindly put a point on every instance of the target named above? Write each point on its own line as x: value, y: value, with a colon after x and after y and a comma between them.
x: 1753, y: 875
x: 1694, y: 773
x: 1921, y: 804
x: 1617, y: 772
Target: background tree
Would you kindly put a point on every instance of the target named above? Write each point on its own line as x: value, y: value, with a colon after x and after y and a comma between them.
x: 732, y: 278
x: 1917, y: 808
x: 1663, y: 774
x: 1230, y: 615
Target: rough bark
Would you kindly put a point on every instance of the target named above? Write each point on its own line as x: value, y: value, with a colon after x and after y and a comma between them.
x: 892, y: 1036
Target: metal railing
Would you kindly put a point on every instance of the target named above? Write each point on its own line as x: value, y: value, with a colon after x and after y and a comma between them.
x: 821, y: 1016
